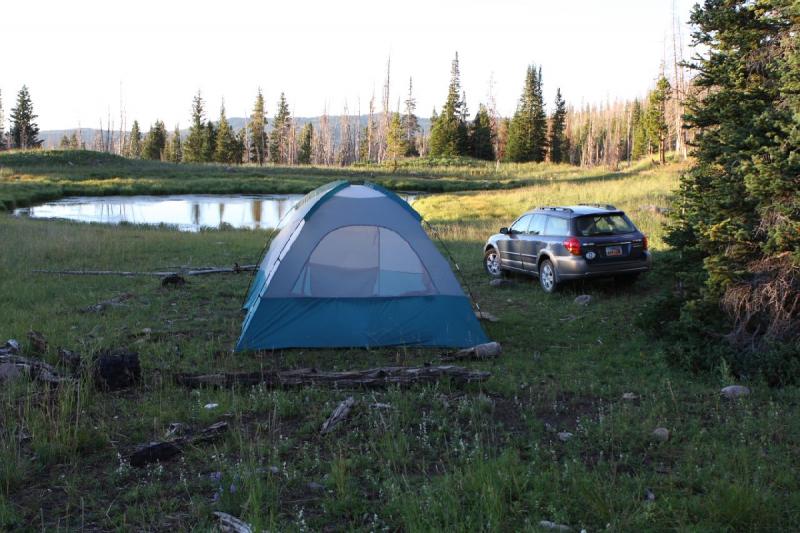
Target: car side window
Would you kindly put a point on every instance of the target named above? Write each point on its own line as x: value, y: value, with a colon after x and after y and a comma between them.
x: 537, y: 225
x: 521, y: 225
x: 557, y: 227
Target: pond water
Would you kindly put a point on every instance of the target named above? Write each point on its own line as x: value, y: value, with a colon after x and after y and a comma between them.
x: 186, y: 212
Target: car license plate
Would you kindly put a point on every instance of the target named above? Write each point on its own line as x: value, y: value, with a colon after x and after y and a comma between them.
x: 613, y: 251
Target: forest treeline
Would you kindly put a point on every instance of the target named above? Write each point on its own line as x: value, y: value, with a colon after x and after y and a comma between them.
x: 602, y: 134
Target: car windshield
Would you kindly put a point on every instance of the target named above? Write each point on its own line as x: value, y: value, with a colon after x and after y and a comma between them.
x: 603, y: 225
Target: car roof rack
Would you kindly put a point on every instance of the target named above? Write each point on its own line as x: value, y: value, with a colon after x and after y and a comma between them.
x: 601, y: 206
x: 552, y: 208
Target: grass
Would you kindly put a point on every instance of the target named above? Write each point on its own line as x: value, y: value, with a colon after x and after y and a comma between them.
x: 483, y: 457
x: 30, y: 177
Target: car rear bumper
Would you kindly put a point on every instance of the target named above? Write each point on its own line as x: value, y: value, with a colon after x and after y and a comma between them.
x: 578, y: 267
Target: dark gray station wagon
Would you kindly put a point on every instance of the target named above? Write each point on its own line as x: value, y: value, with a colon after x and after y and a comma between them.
x: 558, y: 244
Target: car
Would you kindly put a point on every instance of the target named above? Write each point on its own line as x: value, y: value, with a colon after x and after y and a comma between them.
x: 563, y: 243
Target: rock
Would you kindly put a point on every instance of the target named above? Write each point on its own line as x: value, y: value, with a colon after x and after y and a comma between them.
x: 176, y: 429
x: 231, y: 524
x: 649, y: 495
x: 173, y: 280
x: 499, y: 282
x: 210, y: 406
x: 547, y: 524
x: 38, y: 342
x: 117, y: 369
x: 485, y: 315
x: 316, y: 487
x: 583, y: 299
x: 11, y: 347
x: 629, y: 396
x: 732, y: 392
x: 661, y: 434
x: 9, y: 371
x: 564, y: 436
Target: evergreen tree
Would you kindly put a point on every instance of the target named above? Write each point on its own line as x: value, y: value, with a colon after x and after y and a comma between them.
x: 306, y: 142
x: 641, y: 143
x: 241, y: 146
x: 174, y: 150
x: 527, y: 133
x: 155, y: 142
x: 258, y: 131
x: 74, y: 144
x: 557, y: 153
x: 278, y: 139
x: 211, y: 142
x: 196, y: 145
x: 24, y: 131
x: 410, y: 123
x: 226, y: 146
x: 449, y: 131
x: 736, y: 221
x: 395, y: 139
x: 135, y: 142
x: 656, y: 117
x: 63, y: 144
x: 481, y: 141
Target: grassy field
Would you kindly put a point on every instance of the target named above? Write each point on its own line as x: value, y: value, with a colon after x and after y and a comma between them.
x: 36, y: 176
x: 481, y: 457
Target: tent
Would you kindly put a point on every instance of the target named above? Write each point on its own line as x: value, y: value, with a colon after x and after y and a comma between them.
x: 352, y: 267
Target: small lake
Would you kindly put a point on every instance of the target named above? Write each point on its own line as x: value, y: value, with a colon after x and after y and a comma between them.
x: 186, y: 212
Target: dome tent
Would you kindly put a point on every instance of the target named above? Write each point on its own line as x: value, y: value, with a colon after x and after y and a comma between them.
x: 352, y: 267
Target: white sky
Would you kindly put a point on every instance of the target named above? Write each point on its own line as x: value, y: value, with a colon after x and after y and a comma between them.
x: 75, y: 55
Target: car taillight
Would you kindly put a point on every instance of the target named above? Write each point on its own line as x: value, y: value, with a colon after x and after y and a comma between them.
x: 573, y: 245
x: 644, y: 242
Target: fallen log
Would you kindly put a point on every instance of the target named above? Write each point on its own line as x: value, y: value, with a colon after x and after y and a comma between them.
x: 165, y: 450
x: 371, y: 378
x: 231, y: 524
x: 489, y: 350
x: 37, y: 370
x: 338, y: 415
x: 197, y: 271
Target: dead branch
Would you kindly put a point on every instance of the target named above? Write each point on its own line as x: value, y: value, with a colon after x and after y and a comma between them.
x: 489, y: 350
x: 338, y: 415
x: 165, y: 450
x: 231, y: 524
x: 372, y: 378
x: 37, y: 370
x: 198, y: 271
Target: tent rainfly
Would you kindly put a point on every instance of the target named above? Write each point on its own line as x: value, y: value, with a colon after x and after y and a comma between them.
x: 352, y: 267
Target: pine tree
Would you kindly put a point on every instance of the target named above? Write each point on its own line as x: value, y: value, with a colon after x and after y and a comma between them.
x: 449, y: 131
x: 135, y: 142
x: 155, y: 142
x: 258, y: 131
x: 24, y: 131
x: 174, y: 150
x: 736, y: 221
x: 656, y: 116
x: 527, y: 134
x: 211, y: 142
x: 557, y: 153
x: 278, y: 139
x: 74, y: 144
x: 306, y: 143
x: 63, y: 144
x: 395, y: 139
x: 481, y: 141
x: 410, y: 123
x: 196, y: 145
x: 539, y: 121
x: 640, y: 143
x: 226, y: 146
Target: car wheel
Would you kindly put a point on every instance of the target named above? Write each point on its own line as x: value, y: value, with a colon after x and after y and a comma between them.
x: 491, y: 263
x: 547, y: 276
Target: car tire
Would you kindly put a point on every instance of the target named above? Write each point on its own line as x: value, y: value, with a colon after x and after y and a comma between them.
x: 548, y: 279
x: 491, y: 264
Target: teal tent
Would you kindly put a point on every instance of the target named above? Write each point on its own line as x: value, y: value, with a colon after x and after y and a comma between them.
x: 352, y: 267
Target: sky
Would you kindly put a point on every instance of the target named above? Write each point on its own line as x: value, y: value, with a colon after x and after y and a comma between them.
x: 84, y: 59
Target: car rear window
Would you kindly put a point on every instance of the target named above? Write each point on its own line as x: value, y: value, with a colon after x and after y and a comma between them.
x: 591, y: 225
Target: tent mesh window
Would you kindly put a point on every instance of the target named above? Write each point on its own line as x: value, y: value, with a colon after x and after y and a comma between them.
x: 363, y: 262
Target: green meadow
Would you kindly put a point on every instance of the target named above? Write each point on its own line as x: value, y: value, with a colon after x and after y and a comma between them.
x: 480, y: 457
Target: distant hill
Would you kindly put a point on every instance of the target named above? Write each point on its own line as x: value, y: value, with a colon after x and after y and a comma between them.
x: 51, y: 138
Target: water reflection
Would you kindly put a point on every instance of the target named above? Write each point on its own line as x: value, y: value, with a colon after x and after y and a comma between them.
x: 186, y: 212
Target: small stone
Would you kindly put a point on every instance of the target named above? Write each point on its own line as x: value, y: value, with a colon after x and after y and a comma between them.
x: 210, y: 406
x: 564, y: 436
x: 547, y: 524
x: 583, y: 299
x: 629, y: 396
x: 649, y: 495
x: 661, y: 434
x: 12, y: 346
x: 735, y: 391
x: 274, y: 470
x: 9, y: 371
x: 316, y: 487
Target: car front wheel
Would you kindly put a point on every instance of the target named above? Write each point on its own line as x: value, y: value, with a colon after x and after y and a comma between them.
x: 547, y: 276
x: 491, y: 262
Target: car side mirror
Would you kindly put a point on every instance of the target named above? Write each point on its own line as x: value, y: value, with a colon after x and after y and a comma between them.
x: 504, y: 231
